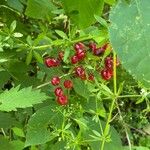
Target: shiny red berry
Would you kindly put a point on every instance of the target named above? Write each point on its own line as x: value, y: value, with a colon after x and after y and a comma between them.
x: 58, y: 91
x: 106, y: 74
x: 81, y: 55
x: 51, y: 62
x: 62, y: 100
x: 68, y: 84
x: 79, y: 71
x: 98, y: 51
x: 55, y: 81
x: 109, y: 62
x: 74, y: 59
x: 79, y: 46
x: 56, y: 62
x: 92, y: 46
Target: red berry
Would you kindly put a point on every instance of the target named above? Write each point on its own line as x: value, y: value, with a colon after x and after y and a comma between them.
x: 91, y: 77
x: 51, y: 62
x: 109, y: 62
x: 58, y: 91
x: 98, y: 51
x: 106, y: 74
x: 74, y: 59
x: 61, y: 55
x: 80, y: 72
x: 62, y: 100
x: 92, y: 46
x: 79, y: 46
x: 56, y: 62
x: 68, y: 84
x: 81, y: 54
x: 55, y: 81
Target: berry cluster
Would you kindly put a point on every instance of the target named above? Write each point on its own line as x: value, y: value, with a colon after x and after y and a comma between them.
x: 62, y: 99
x: 80, y: 53
x: 107, y: 72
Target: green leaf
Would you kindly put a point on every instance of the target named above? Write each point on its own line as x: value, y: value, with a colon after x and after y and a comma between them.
x: 18, y: 132
x: 15, y: 98
x: 16, y: 4
x: 39, y: 9
x: 6, y: 120
x: 17, y: 69
x: 61, y: 34
x: 80, y: 88
x: 82, y: 12
x: 88, y: 134
x: 130, y: 36
x: 37, y: 129
x: 29, y: 57
x: 13, y: 26
x: 17, y: 145
x: 110, y: 2
x: 38, y: 57
x: 5, y: 144
x: 101, y: 21
x: 5, y: 76
x: 136, y: 148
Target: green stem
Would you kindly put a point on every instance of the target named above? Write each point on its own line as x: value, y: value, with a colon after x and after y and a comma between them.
x: 61, y: 42
x: 112, y: 104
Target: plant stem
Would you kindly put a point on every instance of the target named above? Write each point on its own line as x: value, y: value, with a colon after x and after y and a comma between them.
x: 47, y: 83
x: 61, y: 42
x: 112, y: 104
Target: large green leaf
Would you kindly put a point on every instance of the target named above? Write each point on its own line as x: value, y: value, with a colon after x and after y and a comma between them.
x: 38, y: 131
x: 15, y: 98
x: 39, y: 9
x: 10, y: 145
x: 80, y: 88
x: 82, y: 12
x: 130, y: 36
x: 6, y: 120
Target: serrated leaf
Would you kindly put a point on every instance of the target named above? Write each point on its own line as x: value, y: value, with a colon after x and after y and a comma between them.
x: 20, y: 98
x: 82, y: 12
x: 37, y: 129
x: 130, y: 36
x: 80, y: 88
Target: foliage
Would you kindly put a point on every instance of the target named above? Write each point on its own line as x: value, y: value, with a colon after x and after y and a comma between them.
x: 101, y: 48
